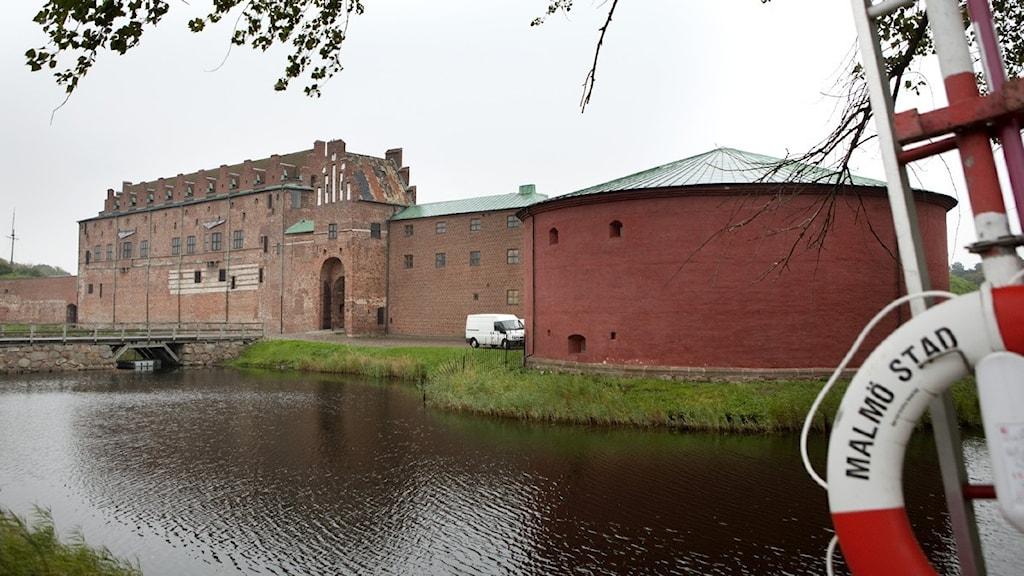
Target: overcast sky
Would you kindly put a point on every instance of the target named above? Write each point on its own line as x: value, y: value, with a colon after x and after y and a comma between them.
x: 480, y: 101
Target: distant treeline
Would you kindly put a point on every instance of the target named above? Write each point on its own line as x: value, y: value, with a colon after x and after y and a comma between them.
x: 963, y: 280
x: 8, y: 270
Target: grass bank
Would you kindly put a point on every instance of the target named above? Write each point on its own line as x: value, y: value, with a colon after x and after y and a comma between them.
x: 32, y: 548
x: 493, y: 383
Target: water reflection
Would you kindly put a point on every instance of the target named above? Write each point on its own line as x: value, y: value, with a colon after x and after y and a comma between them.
x: 221, y: 472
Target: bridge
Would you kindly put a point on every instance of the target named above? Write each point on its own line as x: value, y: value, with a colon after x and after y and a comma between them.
x: 150, y: 341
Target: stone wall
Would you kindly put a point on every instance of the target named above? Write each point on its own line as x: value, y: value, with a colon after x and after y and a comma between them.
x: 57, y: 357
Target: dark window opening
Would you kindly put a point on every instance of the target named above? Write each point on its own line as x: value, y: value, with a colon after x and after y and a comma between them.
x: 332, y: 231
x: 215, y: 242
x: 197, y: 277
x: 88, y: 258
x: 380, y: 316
x: 375, y: 230
x: 222, y: 275
x: 474, y: 258
x: 553, y: 236
x: 233, y: 282
x: 476, y: 296
x: 264, y: 242
x: 408, y: 260
x: 261, y: 275
x: 612, y: 336
x: 615, y: 229
x: 101, y: 290
x: 577, y: 344
x: 89, y: 289
x: 408, y: 229
x: 440, y: 260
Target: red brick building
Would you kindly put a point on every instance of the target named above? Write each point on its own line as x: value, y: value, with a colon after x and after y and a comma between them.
x: 652, y: 269
x: 451, y: 259
x: 296, y: 241
x: 50, y: 300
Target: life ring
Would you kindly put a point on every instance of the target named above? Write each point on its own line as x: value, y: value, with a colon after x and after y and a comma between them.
x: 883, y: 404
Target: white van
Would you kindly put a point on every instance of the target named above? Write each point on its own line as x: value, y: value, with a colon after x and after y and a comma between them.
x: 494, y: 330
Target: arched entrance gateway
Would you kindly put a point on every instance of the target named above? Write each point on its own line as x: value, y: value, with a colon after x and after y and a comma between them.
x: 332, y: 295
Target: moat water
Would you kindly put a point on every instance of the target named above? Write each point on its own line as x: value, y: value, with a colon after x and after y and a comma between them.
x: 223, y: 472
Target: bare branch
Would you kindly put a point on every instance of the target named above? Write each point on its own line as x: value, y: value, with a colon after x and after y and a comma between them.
x: 588, y: 84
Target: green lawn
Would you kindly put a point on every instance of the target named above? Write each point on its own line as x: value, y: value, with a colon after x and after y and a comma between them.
x: 494, y: 383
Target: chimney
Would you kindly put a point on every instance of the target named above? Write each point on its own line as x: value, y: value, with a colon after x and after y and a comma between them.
x: 394, y: 156
x: 404, y: 175
x: 410, y: 192
x: 527, y: 189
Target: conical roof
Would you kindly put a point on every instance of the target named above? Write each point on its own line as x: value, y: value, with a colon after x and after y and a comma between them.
x: 726, y: 166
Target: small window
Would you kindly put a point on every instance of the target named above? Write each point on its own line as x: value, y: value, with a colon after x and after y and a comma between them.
x: 211, y: 186
x: 190, y: 245
x: 284, y: 173
x: 476, y: 295
x: 512, y: 297
x: 234, y: 183
x: 168, y: 193
x: 237, y: 240
x: 611, y: 336
x: 197, y: 277
x: 553, y: 236
x: 215, y: 243
x: 258, y: 177
x: 126, y: 251
x: 270, y: 200
x: 441, y: 228
x: 176, y: 246
x: 98, y: 252
x: 512, y: 257
x: 408, y: 260
x: 380, y: 316
x: 222, y: 275
x: 101, y: 289
x: 312, y: 180
x: 233, y: 282
x: 513, y: 222
x: 375, y: 230
x: 144, y: 249
x: 89, y: 289
x: 577, y: 344
x: 440, y: 260
x: 88, y: 258
x: 189, y: 190
x: 261, y: 276
x: 332, y: 231
x: 615, y: 229
x: 474, y: 225
x: 474, y: 258
x: 264, y: 243
x: 408, y: 229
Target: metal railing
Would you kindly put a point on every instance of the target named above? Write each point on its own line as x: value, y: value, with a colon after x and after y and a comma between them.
x: 131, y: 332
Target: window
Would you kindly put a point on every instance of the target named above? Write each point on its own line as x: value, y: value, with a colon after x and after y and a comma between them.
x: 189, y: 190
x: 375, y: 230
x: 439, y: 260
x: 380, y: 316
x: 215, y: 242
x: 296, y: 199
x: 149, y: 197
x: 577, y: 344
x: 168, y: 193
x: 312, y: 180
x: 474, y: 225
x: 408, y: 260
x: 110, y: 251
x: 211, y: 186
x: 233, y: 183
x: 513, y: 222
x: 197, y: 277
x: 89, y: 289
x: 615, y: 229
x: 237, y: 239
x: 553, y: 236
x: 261, y: 276
x: 476, y: 295
x: 284, y: 173
x: 408, y: 229
x: 270, y: 200
x: 101, y: 289
x: 222, y: 275
x: 264, y: 242
x: 512, y: 297
x: 88, y: 257
x: 190, y: 245
x: 97, y: 251
x: 232, y: 282
x: 332, y: 231
x: 126, y: 250
x: 176, y: 246
x: 512, y: 257
x: 441, y: 227
x: 144, y: 249
x: 474, y: 258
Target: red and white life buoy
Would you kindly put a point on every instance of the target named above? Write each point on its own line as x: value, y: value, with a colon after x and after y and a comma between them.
x: 883, y: 404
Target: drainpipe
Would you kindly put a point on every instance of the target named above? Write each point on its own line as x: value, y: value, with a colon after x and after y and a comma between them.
x: 387, y: 277
x: 533, y: 288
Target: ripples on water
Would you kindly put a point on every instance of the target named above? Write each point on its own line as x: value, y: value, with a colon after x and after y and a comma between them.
x: 219, y: 472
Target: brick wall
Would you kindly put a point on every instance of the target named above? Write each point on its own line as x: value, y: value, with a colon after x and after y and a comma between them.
x: 675, y: 290
x: 426, y: 300
x: 37, y: 300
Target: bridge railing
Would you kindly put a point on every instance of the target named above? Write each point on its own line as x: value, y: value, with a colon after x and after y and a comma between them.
x: 173, y: 331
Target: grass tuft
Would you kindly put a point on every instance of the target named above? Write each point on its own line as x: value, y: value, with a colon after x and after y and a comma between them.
x: 32, y: 548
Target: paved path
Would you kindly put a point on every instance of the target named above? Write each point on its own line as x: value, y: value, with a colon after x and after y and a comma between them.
x: 388, y: 342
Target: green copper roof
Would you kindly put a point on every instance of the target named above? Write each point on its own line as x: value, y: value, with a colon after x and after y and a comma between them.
x: 468, y: 205
x: 725, y: 166
x: 303, y: 226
